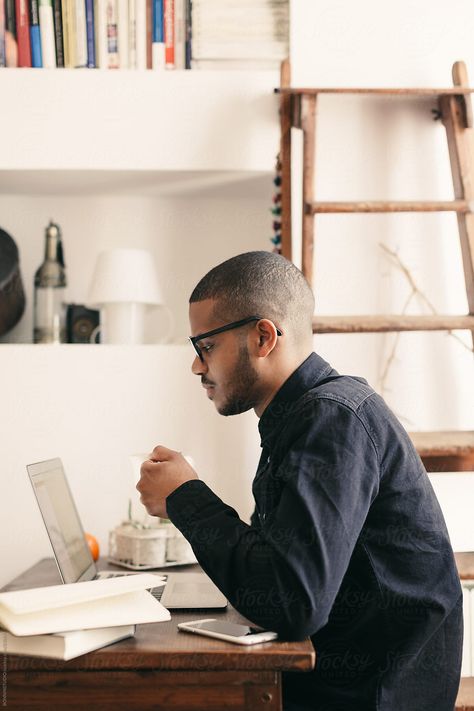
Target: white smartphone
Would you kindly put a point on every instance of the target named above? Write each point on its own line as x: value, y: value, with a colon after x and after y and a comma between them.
x: 228, y: 631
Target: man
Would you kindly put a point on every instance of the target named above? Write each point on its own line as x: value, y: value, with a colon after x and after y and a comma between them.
x: 347, y: 543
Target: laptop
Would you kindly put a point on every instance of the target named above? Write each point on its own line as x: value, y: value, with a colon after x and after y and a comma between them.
x: 181, y: 590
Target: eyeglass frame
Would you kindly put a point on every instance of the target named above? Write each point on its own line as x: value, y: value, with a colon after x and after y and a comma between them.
x: 228, y: 327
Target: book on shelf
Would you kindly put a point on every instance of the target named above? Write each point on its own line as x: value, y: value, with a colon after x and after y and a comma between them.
x: 158, y: 36
x: 48, y: 47
x: 58, y: 32
x: 90, y: 33
x: 140, y: 29
x: 149, y: 34
x: 9, y: 46
x: 64, y: 645
x: 112, y: 34
x: 179, y: 33
x: 3, y: 60
x: 109, y: 602
x: 168, y: 23
x: 23, y: 33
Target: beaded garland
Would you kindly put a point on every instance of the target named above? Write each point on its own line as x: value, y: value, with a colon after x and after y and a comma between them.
x: 276, y: 208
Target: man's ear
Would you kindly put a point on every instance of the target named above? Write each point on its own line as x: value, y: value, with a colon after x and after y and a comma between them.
x: 267, y: 337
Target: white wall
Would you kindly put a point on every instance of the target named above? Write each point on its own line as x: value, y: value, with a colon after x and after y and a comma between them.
x: 375, y: 149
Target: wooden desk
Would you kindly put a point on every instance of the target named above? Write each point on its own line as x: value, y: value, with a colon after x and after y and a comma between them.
x: 160, y: 669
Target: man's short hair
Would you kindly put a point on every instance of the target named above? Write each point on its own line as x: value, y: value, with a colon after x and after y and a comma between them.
x: 259, y: 283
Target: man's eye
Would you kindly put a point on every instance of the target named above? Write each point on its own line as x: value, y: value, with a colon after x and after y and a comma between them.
x: 207, y: 348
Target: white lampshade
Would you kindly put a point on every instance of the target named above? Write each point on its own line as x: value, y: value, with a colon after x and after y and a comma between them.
x: 124, y: 285
x: 124, y: 276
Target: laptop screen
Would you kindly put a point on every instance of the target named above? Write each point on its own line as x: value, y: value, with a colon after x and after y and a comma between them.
x: 62, y: 521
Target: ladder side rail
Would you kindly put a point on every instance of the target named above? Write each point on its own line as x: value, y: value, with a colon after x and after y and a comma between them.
x: 308, y: 126
x: 286, y: 111
x: 457, y: 115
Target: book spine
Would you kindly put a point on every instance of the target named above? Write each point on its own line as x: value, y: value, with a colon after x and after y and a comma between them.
x: 48, y: 49
x: 168, y: 10
x: 149, y: 33
x: 81, y: 33
x: 3, y: 60
x: 132, y: 35
x: 58, y: 32
x: 188, y: 35
x: 64, y: 18
x: 10, y: 45
x: 71, y: 32
x: 112, y: 35
x: 90, y: 35
x: 158, y: 46
x: 179, y: 33
x: 35, y: 37
x: 23, y: 33
x: 123, y: 41
x: 102, y: 57
x: 140, y: 9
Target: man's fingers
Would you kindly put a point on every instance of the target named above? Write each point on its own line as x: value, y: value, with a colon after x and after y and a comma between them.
x: 162, y: 454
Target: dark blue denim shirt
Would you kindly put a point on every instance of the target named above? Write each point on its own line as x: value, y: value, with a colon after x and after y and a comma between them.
x: 347, y: 545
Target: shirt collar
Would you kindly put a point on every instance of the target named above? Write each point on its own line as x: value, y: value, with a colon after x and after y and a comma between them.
x: 305, y: 377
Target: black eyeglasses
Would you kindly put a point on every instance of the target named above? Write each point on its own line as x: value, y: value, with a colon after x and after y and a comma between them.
x: 228, y: 327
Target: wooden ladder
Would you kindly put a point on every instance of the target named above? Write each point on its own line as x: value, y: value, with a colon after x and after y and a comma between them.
x: 440, y: 451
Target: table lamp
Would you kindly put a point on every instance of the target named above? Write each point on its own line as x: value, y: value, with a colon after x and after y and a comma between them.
x: 123, y: 285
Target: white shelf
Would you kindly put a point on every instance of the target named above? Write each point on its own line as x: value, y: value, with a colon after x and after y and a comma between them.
x: 163, y: 183
x: 157, y: 131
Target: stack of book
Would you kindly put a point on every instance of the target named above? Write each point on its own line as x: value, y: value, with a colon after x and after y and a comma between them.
x: 105, y: 34
x: 65, y: 621
x: 250, y: 34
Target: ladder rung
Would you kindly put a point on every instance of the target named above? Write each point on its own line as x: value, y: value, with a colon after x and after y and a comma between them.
x: 458, y: 443
x: 393, y: 206
x: 375, y: 324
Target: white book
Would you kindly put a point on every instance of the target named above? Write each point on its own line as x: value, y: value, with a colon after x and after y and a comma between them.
x: 64, y: 645
x: 81, y: 33
x: 110, y: 602
x: 140, y: 19
x: 48, y: 47
x: 100, y: 17
x: 132, y: 35
x: 123, y: 33
x: 225, y: 64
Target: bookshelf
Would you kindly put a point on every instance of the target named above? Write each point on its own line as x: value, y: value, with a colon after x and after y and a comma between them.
x: 65, y: 129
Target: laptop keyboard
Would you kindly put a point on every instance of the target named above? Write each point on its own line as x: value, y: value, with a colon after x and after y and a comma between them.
x: 156, y: 592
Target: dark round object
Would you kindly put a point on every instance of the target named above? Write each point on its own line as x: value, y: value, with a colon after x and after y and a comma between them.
x: 12, y: 295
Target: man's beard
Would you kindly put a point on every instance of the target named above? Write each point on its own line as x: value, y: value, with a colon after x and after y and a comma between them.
x: 242, y: 395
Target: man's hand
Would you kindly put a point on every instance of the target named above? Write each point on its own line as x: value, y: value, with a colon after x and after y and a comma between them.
x: 160, y: 475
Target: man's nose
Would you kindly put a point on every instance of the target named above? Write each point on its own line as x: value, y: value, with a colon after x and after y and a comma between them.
x: 198, y: 367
